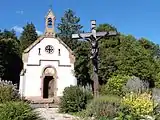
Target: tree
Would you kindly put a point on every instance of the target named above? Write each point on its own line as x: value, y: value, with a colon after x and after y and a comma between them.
x: 82, y: 64
x: 69, y: 25
x: 122, y: 54
x: 151, y: 47
x: 105, y: 27
x: 8, y: 34
x: 4, y: 35
x: 126, y: 56
x: 108, y: 49
x: 135, y: 60
x: 28, y: 36
x: 10, y: 56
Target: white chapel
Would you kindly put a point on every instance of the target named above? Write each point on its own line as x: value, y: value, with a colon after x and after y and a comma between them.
x: 48, y: 65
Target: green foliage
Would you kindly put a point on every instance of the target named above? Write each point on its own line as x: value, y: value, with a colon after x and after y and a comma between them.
x: 69, y: 25
x: 121, y: 54
x: 137, y: 105
x: 74, y: 99
x: 157, y: 82
x: 105, y: 27
x: 17, y: 111
x: 107, y: 53
x: 134, y: 84
x: 7, y: 34
x: 28, y: 36
x: 115, y: 85
x: 150, y: 46
x: 103, y: 107
x: 82, y: 68
x: 83, y: 65
x: 135, y: 60
x: 10, y: 61
x: 126, y: 56
x: 8, y: 92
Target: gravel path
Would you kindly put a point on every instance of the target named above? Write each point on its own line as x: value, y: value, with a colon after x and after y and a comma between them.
x: 52, y: 114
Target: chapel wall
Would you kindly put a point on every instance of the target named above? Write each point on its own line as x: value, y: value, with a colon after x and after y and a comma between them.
x: 33, y: 82
x: 64, y: 57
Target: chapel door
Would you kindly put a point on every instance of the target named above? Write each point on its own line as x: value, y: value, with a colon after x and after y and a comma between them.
x: 51, y: 88
x: 48, y: 87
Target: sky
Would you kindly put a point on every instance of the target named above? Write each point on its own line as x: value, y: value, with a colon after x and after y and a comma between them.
x: 140, y: 18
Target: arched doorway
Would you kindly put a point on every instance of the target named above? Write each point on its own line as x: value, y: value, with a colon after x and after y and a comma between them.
x: 49, y: 83
x: 48, y: 87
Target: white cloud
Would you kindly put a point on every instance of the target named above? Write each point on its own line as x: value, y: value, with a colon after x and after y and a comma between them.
x: 19, y: 29
x: 39, y: 32
x: 20, y: 12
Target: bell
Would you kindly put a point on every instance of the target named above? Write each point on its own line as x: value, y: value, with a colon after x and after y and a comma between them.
x: 49, y: 23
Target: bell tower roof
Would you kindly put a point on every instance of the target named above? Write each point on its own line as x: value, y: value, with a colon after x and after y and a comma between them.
x: 50, y: 13
x: 50, y: 24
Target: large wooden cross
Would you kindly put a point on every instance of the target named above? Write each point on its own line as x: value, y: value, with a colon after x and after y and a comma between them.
x: 93, y: 37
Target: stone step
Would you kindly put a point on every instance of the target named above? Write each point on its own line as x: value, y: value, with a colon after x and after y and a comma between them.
x: 51, y: 100
x: 42, y: 105
x: 39, y: 100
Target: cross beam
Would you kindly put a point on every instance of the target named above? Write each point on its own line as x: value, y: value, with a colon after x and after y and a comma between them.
x: 98, y: 34
x: 93, y: 37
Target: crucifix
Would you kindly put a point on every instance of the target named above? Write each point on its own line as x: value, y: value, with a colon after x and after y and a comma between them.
x: 93, y: 37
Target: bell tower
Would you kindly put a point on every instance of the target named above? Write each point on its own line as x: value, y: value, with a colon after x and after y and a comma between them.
x: 50, y: 23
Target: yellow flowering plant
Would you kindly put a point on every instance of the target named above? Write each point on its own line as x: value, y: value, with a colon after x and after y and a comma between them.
x: 139, y: 104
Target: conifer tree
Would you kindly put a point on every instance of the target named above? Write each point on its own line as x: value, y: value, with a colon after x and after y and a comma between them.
x: 28, y: 36
x: 69, y: 25
x: 10, y: 56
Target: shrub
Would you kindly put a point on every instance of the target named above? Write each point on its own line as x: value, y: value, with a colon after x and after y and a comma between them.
x: 134, y: 84
x: 115, y: 85
x: 105, y: 107
x: 74, y: 99
x: 157, y: 82
x: 156, y: 94
x: 102, y: 90
x: 8, y: 92
x: 17, y: 111
x: 138, y: 104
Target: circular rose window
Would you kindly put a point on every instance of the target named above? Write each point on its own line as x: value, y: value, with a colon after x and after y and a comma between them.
x: 49, y: 49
